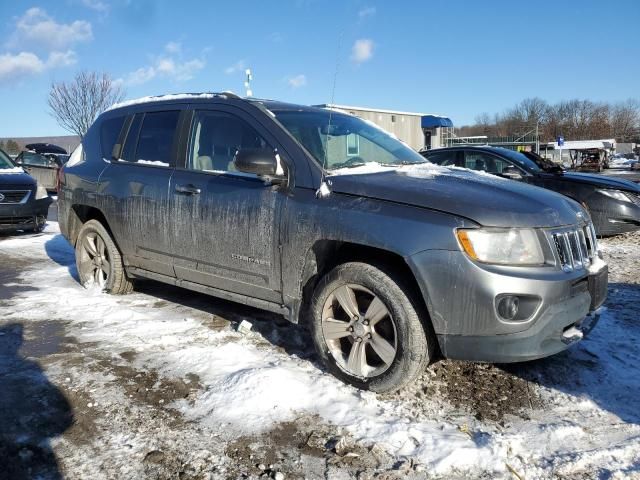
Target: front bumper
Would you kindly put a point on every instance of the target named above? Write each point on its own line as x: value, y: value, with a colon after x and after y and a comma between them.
x: 19, y: 216
x: 461, y: 298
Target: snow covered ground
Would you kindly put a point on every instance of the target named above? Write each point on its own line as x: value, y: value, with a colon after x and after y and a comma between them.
x: 160, y: 384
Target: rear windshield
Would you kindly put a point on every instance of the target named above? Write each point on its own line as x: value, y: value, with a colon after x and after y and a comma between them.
x: 5, y: 161
x: 336, y: 140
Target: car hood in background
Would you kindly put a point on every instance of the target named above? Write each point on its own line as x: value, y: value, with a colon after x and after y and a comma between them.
x: 598, y: 181
x: 9, y: 179
x: 484, y: 198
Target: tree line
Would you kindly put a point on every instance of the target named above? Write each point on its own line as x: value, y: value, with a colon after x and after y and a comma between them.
x: 10, y: 146
x: 573, y: 119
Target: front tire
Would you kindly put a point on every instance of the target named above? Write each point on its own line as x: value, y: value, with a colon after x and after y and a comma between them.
x: 366, y: 329
x: 98, y: 260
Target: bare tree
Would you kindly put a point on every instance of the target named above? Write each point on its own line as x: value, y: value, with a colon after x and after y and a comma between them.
x: 76, y: 104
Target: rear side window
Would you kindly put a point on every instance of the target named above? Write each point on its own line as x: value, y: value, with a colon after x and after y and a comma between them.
x: 155, y: 142
x: 109, y: 133
x: 151, y: 138
x: 484, y: 162
x: 447, y: 158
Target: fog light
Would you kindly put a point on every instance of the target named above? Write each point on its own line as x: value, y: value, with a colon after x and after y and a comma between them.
x: 508, y: 307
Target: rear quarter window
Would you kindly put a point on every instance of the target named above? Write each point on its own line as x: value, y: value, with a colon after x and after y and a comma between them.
x: 109, y: 134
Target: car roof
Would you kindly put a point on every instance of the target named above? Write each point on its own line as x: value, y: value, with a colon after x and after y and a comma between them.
x: 204, y: 97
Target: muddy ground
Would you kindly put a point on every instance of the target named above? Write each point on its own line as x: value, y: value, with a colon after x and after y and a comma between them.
x: 75, y: 409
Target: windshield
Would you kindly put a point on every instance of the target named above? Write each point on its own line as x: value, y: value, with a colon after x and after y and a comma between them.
x: 347, y: 142
x: 543, y: 163
x: 520, y: 160
x: 5, y: 161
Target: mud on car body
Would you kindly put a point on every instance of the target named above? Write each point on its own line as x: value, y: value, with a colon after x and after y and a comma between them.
x: 23, y: 203
x: 402, y: 261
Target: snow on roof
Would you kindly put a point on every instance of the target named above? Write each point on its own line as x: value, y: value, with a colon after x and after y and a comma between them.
x: 169, y: 97
x: 585, y: 144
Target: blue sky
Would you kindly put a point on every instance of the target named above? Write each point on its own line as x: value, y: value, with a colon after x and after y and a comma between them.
x: 434, y: 56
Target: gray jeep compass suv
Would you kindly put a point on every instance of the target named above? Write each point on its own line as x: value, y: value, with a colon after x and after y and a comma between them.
x: 328, y: 220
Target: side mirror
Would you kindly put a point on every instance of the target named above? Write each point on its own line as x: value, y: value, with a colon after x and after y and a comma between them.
x: 512, y: 173
x: 261, y: 162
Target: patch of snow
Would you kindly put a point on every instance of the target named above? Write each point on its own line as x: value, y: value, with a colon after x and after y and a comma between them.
x: 153, y: 162
x: 76, y: 157
x: 159, y: 98
x: 324, y: 190
x: 5, y: 171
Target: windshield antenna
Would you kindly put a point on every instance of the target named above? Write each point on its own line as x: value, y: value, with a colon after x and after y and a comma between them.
x: 324, y: 190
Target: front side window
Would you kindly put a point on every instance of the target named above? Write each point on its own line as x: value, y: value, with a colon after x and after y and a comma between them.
x: 330, y: 141
x: 215, y: 139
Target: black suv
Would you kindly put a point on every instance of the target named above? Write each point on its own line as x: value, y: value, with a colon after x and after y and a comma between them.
x: 613, y: 203
x: 326, y: 219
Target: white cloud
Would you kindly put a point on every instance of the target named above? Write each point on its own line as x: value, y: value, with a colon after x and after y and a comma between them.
x: 362, y: 50
x: 239, y: 66
x: 297, y: 81
x: 167, y: 67
x: 366, y: 12
x: 62, y: 59
x: 37, y: 29
x: 14, y: 68
x: 173, y: 47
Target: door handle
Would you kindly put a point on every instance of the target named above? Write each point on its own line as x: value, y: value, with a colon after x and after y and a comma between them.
x: 187, y: 189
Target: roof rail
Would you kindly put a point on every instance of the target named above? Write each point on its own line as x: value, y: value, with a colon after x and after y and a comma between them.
x: 174, y: 96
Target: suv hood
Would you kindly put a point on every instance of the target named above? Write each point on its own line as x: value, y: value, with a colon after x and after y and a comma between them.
x: 16, y: 178
x: 483, y: 198
x: 598, y: 181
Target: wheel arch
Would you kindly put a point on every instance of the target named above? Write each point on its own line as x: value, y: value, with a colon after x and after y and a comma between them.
x: 81, y: 214
x: 324, y: 255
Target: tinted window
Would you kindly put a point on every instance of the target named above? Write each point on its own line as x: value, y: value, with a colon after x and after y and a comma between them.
x: 5, y: 161
x: 129, y: 151
x: 155, y: 141
x: 484, y: 162
x: 215, y: 139
x: 109, y: 133
x: 445, y: 158
x: 35, y: 160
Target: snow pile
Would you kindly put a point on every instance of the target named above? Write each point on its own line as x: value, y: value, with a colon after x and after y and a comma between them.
x: 4, y: 171
x: 249, y: 385
x: 158, y: 98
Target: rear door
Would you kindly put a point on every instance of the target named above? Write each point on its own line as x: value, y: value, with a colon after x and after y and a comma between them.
x: 226, y: 222
x: 40, y: 167
x: 135, y: 189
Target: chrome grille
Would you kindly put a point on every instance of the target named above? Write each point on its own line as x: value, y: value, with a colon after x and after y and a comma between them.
x: 576, y: 247
x: 14, y: 196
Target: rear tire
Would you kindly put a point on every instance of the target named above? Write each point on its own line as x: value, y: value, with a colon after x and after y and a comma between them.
x: 98, y: 260
x: 367, y: 330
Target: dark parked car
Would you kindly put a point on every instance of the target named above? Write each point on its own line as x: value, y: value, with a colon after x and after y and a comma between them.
x: 613, y: 203
x: 282, y: 207
x: 23, y: 203
x: 42, y: 161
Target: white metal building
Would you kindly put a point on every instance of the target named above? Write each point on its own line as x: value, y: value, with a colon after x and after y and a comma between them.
x: 418, y: 130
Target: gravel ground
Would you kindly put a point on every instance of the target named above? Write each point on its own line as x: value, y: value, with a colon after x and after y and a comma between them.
x: 79, y: 404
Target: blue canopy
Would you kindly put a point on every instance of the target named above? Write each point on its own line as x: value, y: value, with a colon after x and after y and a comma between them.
x: 432, y: 121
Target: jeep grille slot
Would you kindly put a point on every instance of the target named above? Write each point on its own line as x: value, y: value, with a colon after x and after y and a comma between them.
x: 14, y: 196
x: 576, y: 248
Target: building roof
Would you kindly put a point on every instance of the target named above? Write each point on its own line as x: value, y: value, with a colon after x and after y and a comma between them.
x: 584, y: 144
x: 366, y: 109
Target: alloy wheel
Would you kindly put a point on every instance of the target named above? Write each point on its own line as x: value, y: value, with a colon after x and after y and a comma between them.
x: 359, y: 331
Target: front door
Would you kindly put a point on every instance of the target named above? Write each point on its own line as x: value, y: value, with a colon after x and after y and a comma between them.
x: 226, y: 223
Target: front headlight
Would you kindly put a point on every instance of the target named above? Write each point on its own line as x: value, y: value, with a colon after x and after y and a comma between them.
x: 502, y: 246
x: 41, y: 193
x: 617, y: 194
